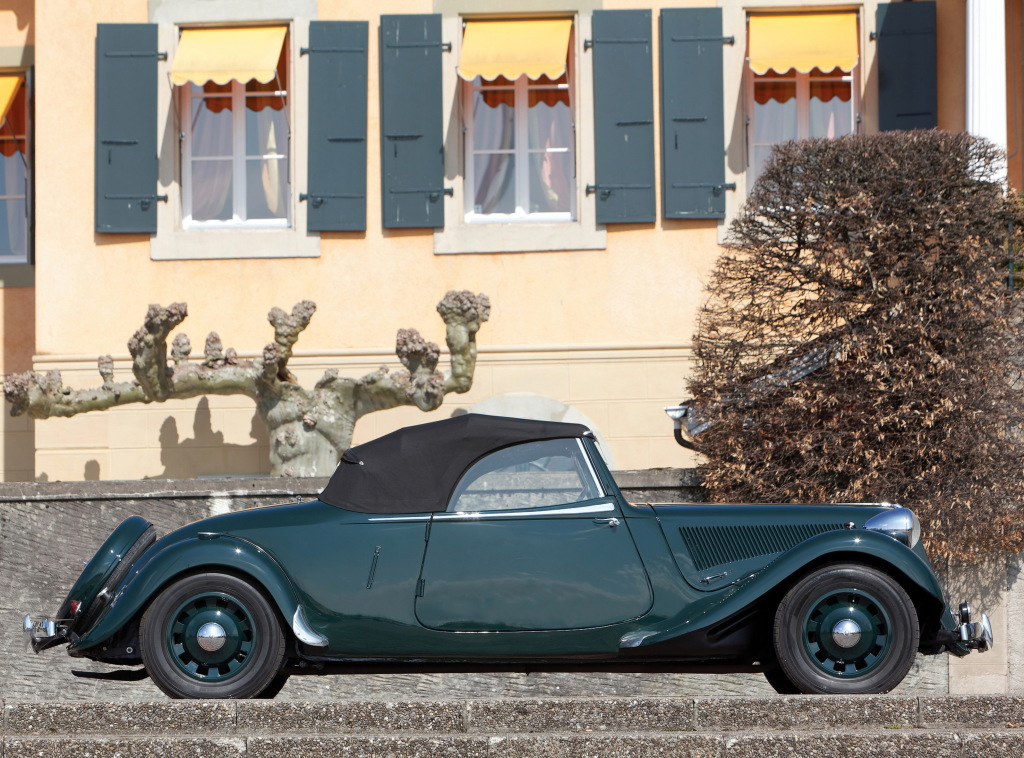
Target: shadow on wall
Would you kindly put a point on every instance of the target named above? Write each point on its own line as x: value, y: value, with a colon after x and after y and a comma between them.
x: 17, y: 336
x: 206, y: 453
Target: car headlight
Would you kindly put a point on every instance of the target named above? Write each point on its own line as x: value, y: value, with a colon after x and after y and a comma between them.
x: 899, y: 523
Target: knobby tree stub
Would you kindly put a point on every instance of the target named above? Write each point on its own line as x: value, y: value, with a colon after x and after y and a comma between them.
x: 309, y: 428
x: 882, y: 260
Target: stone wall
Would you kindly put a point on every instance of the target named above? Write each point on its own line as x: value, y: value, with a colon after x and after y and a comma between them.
x: 48, y: 529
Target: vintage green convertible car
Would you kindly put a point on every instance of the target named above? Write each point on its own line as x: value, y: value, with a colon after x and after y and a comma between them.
x: 489, y: 543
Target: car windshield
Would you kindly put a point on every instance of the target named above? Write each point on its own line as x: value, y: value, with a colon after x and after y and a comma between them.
x: 531, y: 475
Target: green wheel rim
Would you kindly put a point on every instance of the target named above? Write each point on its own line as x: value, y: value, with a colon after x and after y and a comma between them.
x: 234, y: 648
x: 846, y: 658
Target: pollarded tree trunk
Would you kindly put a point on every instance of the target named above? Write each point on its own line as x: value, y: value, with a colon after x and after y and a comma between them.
x: 309, y: 429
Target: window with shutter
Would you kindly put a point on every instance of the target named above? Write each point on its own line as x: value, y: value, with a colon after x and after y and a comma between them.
x: 518, y: 128
x: 802, y: 78
x: 15, y: 161
x: 233, y: 86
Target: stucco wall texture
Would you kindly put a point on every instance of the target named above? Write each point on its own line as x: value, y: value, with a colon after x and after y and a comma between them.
x: 606, y: 331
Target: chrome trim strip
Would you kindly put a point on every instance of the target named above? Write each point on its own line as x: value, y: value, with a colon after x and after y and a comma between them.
x: 590, y: 467
x: 555, y: 511
x: 410, y: 519
x: 303, y: 631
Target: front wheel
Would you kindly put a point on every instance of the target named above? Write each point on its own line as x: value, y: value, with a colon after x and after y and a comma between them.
x: 846, y: 629
x: 212, y: 636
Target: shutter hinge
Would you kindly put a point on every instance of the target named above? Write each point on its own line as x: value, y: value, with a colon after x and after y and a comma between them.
x: 589, y: 43
x: 318, y: 199
x: 605, y: 190
x: 308, y: 50
x: 873, y: 36
x: 724, y: 40
x: 716, y: 189
x: 420, y: 585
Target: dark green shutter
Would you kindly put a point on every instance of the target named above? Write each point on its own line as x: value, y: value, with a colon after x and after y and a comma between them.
x: 337, y: 125
x: 907, y: 85
x: 692, y: 113
x: 126, y: 120
x: 623, y: 117
x: 411, y: 125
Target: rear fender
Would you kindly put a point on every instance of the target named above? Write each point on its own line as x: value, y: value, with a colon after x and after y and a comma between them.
x: 210, y: 552
x: 879, y: 550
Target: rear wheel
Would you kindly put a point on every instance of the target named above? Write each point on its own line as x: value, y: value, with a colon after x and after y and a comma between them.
x: 212, y: 636
x: 846, y: 629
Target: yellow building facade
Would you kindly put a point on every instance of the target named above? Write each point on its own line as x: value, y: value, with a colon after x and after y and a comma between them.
x: 589, y: 317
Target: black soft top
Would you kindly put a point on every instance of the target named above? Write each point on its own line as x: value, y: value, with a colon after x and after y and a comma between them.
x: 415, y: 469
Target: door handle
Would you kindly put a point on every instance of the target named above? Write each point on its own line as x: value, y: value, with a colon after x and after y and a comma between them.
x: 612, y: 522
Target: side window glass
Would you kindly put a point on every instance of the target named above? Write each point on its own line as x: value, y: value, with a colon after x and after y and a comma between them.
x: 536, y: 474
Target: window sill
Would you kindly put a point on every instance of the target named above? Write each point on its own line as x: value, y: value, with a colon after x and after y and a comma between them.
x: 213, y: 244
x: 17, y: 274
x: 517, y: 237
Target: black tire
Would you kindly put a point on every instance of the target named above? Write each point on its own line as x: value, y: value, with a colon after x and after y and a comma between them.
x: 250, y: 654
x: 275, y: 686
x: 780, y: 682
x: 877, y: 650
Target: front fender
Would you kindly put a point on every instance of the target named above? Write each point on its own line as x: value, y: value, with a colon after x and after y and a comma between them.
x: 212, y: 552
x: 846, y: 545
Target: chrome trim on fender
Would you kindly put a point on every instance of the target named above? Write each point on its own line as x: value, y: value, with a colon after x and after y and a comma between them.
x: 303, y: 632
x: 474, y: 515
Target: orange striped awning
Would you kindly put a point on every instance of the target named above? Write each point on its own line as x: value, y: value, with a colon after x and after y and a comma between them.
x: 9, y: 84
x: 220, y: 55
x: 513, y: 48
x: 803, y: 41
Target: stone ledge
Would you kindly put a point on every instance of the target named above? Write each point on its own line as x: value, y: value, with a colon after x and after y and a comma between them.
x: 738, y: 716
x: 929, y: 744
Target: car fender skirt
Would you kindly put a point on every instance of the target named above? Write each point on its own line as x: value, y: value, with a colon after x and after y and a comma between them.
x: 220, y: 553
x: 303, y: 632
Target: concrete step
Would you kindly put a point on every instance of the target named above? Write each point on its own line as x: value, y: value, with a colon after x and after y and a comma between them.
x: 730, y: 727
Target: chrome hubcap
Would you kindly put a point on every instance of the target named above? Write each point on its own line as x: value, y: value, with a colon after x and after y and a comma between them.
x: 211, y: 637
x: 846, y: 633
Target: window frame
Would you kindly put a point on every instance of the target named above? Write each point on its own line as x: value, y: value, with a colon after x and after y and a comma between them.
x: 460, y: 236
x: 521, y: 151
x: 28, y: 158
x: 172, y: 242
x: 803, y: 102
x: 239, y: 159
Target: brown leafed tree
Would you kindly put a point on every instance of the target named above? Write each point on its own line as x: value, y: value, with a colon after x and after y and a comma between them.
x: 883, y: 260
x: 309, y: 428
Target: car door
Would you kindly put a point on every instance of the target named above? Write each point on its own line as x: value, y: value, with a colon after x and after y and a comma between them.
x: 530, y: 542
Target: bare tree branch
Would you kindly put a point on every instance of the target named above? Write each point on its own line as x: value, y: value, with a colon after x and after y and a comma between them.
x: 309, y: 429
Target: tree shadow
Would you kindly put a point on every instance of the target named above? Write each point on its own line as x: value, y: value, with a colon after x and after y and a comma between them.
x: 206, y: 453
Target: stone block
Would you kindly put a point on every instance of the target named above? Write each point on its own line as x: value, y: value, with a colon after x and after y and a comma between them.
x: 974, y: 711
x: 606, y: 746
x: 197, y: 747
x: 862, y: 745
x: 350, y: 716
x: 580, y: 715
x: 803, y: 712
x: 120, y: 718
x: 367, y: 747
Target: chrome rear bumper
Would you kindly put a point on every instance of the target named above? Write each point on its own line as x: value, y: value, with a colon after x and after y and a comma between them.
x: 44, y: 633
x: 977, y: 635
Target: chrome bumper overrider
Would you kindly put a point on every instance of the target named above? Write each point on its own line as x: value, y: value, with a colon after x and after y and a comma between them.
x: 976, y: 635
x: 44, y: 633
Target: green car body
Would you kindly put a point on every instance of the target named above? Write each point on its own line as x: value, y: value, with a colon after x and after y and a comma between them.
x: 591, y: 583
